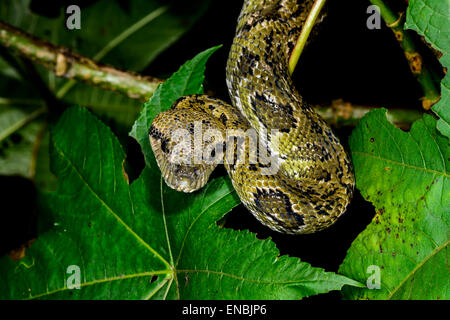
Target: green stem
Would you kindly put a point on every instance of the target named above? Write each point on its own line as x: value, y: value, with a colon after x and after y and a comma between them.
x: 417, y: 66
x: 129, y: 31
x: 306, y: 30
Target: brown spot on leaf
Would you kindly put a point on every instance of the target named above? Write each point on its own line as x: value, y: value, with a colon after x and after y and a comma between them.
x: 125, y: 174
x: 19, y: 253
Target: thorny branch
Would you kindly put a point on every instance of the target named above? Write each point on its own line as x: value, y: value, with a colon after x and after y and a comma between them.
x: 67, y: 64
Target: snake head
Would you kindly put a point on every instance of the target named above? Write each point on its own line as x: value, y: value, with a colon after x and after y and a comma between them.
x: 185, y: 178
x: 176, y: 156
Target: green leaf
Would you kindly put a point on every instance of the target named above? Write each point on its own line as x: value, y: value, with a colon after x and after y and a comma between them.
x: 186, y: 81
x: 431, y: 19
x: 24, y: 140
x: 406, y: 177
x: 16, y: 143
x: 143, y: 240
x: 113, y: 105
x: 21, y: 124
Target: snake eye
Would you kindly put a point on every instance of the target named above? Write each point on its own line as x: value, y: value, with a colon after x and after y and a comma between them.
x: 164, y: 146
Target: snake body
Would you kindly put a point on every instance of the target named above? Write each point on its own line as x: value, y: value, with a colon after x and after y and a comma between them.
x: 313, y: 182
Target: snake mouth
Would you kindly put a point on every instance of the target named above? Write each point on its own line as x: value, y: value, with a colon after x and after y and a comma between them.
x: 185, y: 178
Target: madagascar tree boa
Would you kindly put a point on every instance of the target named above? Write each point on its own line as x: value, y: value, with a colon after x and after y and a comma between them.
x: 285, y: 163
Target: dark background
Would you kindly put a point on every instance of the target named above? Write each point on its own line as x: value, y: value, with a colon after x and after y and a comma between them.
x: 347, y: 60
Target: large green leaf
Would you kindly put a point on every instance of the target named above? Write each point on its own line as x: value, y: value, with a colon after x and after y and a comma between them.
x: 406, y: 177
x: 144, y: 240
x: 431, y: 19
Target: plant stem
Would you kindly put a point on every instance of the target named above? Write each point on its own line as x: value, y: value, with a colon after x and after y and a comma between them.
x: 65, y: 63
x: 423, y: 75
x: 306, y: 30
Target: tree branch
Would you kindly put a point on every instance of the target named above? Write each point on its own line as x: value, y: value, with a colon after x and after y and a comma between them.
x: 341, y: 113
x: 67, y: 64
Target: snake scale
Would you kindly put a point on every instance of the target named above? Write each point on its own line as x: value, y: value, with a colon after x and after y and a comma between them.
x: 313, y: 181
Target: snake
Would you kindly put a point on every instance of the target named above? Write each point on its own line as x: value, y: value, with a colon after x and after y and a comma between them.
x: 308, y: 182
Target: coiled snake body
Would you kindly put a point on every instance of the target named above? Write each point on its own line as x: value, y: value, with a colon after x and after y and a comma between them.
x: 313, y: 181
